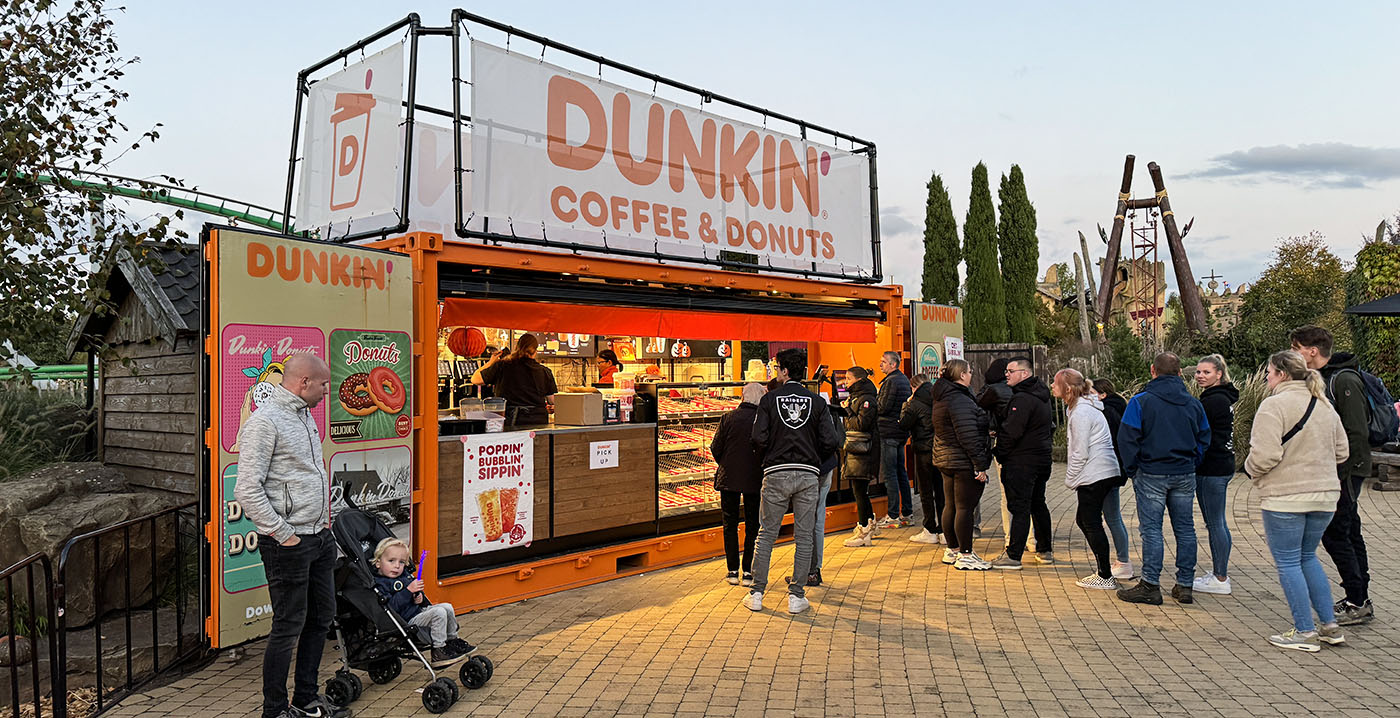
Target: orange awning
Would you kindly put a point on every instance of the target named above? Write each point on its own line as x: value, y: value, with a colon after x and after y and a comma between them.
x: 645, y: 322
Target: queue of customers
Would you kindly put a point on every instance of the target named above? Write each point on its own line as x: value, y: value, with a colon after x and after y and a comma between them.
x: 1308, y: 454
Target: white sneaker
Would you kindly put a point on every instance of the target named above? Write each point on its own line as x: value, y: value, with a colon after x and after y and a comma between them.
x: 1210, y: 584
x: 1123, y: 570
x: 754, y: 601
x: 950, y: 556
x: 887, y: 523
x: 797, y: 604
x: 858, y: 538
x: 1096, y: 581
x: 971, y: 562
x: 925, y: 536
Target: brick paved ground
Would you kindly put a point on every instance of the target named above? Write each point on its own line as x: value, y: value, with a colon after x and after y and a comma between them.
x: 895, y: 633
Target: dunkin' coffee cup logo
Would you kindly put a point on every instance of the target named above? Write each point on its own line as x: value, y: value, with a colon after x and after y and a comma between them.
x: 350, y: 124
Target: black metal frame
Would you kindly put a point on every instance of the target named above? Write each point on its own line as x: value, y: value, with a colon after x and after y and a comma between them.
x: 56, y: 670
x: 415, y: 29
x: 188, y: 512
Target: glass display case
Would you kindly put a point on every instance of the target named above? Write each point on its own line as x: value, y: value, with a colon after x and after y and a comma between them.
x: 687, y: 416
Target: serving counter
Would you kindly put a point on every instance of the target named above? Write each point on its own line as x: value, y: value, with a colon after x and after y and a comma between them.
x: 587, y: 485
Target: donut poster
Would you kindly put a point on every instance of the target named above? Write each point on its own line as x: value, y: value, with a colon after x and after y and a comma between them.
x: 270, y: 297
x: 498, y: 472
x: 252, y: 369
x: 370, y: 379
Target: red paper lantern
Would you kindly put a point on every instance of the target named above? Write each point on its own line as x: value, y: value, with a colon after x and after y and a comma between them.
x: 467, y: 342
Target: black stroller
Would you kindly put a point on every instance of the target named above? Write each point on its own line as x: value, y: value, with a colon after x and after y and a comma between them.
x: 373, y: 638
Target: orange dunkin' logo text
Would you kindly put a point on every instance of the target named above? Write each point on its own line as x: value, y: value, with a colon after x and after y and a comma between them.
x: 323, y: 266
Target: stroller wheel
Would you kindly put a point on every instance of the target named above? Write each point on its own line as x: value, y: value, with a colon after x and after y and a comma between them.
x: 357, y: 684
x: 490, y: 667
x: 340, y: 691
x: 474, y: 674
x: 437, y: 696
x: 386, y: 670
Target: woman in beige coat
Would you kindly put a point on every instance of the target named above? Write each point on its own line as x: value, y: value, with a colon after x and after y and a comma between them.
x: 1294, y: 448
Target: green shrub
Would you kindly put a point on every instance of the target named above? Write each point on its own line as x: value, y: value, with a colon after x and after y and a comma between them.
x: 40, y: 428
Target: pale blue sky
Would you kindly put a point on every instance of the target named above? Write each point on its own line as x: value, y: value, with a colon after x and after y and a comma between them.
x: 1268, y: 119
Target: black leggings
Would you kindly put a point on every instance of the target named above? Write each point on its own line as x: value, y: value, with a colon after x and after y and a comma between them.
x: 729, y: 514
x: 963, y: 492
x: 864, y: 513
x: 1090, y: 520
x: 930, y: 490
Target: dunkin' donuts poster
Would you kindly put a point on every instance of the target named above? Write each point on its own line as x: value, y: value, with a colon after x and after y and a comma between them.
x: 370, y: 385
x: 497, y: 491
x: 271, y: 297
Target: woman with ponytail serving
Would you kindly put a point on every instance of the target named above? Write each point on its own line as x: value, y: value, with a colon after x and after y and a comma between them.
x: 524, y: 383
x: 1294, y: 448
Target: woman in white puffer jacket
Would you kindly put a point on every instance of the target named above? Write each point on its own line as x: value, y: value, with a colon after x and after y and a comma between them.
x: 1093, y: 467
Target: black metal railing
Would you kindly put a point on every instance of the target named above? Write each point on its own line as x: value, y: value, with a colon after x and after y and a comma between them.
x: 162, y: 550
x: 22, y: 613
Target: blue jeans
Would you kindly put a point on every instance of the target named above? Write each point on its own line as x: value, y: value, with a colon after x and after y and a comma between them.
x: 1210, y: 491
x: 784, y: 490
x: 819, y: 526
x: 1113, y: 516
x: 1293, y: 540
x: 1177, y: 496
x: 901, y: 497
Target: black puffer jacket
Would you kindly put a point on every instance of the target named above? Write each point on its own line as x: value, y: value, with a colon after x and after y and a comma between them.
x: 1219, y: 402
x: 739, y: 467
x: 1028, y: 429
x: 894, y: 391
x: 994, y: 399
x: 1113, y: 408
x: 917, y: 418
x: 862, y: 416
x: 960, y: 427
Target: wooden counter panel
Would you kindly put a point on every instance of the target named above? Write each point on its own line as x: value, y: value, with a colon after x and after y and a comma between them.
x: 594, y: 499
x: 450, y: 461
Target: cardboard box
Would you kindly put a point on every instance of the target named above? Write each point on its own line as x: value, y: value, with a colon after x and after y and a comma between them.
x: 578, y: 409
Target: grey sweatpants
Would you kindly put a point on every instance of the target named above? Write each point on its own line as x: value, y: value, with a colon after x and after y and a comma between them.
x: 441, y: 621
x: 782, y: 489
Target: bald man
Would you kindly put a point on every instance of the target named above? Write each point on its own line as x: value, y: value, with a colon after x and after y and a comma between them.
x: 285, y: 491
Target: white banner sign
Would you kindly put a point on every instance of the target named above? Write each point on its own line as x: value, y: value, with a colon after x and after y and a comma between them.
x: 498, y: 491
x: 584, y: 157
x: 351, y: 152
x: 954, y: 347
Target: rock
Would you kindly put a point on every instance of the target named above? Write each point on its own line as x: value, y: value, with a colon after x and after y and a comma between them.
x: 47, y: 530
x: 24, y: 652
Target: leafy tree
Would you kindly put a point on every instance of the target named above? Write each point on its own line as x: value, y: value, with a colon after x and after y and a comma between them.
x: 60, y: 67
x: 1064, y: 276
x: 1376, y: 276
x: 1305, y: 284
x: 985, y: 320
x: 941, y: 251
x: 1020, y: 255
x: 1127, y: 362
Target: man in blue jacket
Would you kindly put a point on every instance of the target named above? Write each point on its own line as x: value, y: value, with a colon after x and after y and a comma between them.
x: 1163, y: 437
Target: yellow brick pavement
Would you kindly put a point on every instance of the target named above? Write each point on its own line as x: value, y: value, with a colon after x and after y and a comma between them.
x: 895, y: 633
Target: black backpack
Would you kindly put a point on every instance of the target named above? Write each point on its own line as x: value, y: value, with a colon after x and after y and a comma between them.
x: 1382, y: 423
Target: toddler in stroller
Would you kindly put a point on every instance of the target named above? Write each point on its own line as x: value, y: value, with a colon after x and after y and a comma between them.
x: 375, y: 637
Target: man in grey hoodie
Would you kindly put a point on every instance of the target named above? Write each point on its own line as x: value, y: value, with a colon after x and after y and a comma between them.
x: 284, y: 490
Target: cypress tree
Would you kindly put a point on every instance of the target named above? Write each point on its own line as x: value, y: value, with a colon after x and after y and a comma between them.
x: 985, y: 318
x: 941, y: 250
x: 1020, y: 255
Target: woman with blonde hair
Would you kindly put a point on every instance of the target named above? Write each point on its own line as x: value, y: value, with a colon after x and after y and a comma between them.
x: 1092, y: 470
x: 1218, y: 396
x: 1294, y: 448
x: 962, y: 452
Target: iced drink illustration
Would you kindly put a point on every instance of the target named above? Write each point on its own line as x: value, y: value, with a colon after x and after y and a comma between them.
x: 351, y: 123
x: 489, y: 502
x: 509, y: 499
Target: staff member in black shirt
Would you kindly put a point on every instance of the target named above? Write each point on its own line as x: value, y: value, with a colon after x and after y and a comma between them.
x: 524, y: 383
